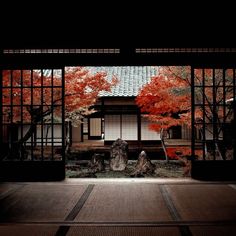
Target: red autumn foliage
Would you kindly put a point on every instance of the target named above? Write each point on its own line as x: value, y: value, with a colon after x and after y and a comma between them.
x: 174, y: 153
x: 30, y: 97
x: 81, y: 91
x: 166, y: 100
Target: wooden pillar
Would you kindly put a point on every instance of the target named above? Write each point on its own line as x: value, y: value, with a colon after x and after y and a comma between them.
x: 139, y: 127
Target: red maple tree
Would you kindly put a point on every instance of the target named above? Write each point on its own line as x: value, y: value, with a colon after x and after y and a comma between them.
x: 166, y: 100
x: 31, y: 96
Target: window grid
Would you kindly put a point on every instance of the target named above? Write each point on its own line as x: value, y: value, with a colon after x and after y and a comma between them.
x: 218, y: 114
x: 63, y: 51
x: 184, y: 50
x: 26, y: 131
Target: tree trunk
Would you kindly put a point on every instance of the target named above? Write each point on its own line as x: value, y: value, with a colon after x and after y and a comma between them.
x: 47, y: 131
x: 206, y: 152
x: 67, y: 145
x: 218, y: 152
x: 17, y: 149
x: 163, y: 145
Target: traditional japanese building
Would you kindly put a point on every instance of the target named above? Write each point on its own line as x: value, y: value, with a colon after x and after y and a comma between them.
x: 117, y: 114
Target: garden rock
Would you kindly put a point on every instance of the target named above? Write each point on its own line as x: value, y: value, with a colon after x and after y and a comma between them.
x: 96, y: 163
x: 144, y: 166
x: 119, y: 155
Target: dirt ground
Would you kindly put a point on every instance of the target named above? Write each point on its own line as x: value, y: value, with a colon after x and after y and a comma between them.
x: 172, y: 169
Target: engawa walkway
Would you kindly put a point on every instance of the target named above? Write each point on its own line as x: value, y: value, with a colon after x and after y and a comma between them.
x: 112, y: 207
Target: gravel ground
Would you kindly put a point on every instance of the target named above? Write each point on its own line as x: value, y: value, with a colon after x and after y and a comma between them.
x: 172, y: 169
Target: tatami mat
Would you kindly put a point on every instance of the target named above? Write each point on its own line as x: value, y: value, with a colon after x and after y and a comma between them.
x: 28, y: 230
x: 124, y: 203
x: 204, y: 202
x: 123, y: 231
x: 40, y: 203
x: 213, y: 230
x: 126, y: 209
x: 8, y: 188
x: 233, y: 186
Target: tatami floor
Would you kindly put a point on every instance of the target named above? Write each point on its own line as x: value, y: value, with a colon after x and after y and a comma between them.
x: 126, y: 207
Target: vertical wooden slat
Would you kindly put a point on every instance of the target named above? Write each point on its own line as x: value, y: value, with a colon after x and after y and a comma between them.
x: 121, y: 126
x: 63, y: 112
x: 1, y: 111
x: 214, y: 118
x: 204, y: 115
x: 192, y: 113
x: 33, y: 137
x: 21, y: 114
x: 11, y: 107
x: 234, y: 112
x: 224, y: 108
x: 139, y: 127
x: 52, y: 116
x: 42, y: 125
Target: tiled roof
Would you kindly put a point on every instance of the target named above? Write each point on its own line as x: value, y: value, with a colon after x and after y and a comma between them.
x: 131, y: 79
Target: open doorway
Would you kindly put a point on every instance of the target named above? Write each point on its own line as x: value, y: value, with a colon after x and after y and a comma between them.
x: 118, y: 114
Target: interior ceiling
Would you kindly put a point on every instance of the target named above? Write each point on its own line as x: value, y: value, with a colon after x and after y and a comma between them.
x: 77, y: 42
x: 107, y: 37
x: 117, y: 25
x: 127, y: 36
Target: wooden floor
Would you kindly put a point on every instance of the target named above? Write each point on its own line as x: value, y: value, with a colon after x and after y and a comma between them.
x: 84, y: 149
x: 100, y: 143
x: 136, y: 207
x: 88, y: 143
